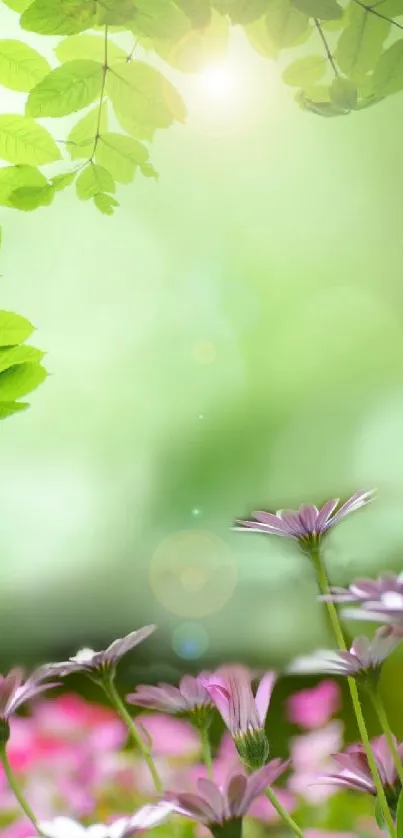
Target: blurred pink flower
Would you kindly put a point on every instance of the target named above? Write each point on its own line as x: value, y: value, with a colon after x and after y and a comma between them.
x: 311, y: 753
x: 169, y: 736
x: 326, y: 833
x: 312, y: 708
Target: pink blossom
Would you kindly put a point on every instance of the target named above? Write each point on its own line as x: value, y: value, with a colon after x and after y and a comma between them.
x: 169, y: 736
x: 312, y: 708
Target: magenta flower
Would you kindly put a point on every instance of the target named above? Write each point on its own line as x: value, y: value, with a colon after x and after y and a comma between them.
x: 243, y: 712
x: 215, y: 806
x: 365, y: 656
x: 365, y: 590
x: 14, y: 691
x: 86, y: 660
x: 313, y: 707
x: 307, y: 525
x: 190, y: 697
x: 354, y: 772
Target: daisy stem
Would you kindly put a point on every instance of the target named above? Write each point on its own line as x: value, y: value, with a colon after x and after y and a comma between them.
x: 383, y: 719
x: 335, y: 622
x: 14, y: 786
x: 206, y: 751
x: 116, y: 701
x: 283, y: 813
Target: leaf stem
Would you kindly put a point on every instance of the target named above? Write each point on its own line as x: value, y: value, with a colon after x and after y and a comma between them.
x: 329, y: 54
x: 379, y: 708
x: 283, y: 813
x: 335, y: 622
x: 372, y: 10
x: 206, y: 751
x: 116, y: 701
x: 101, y: 96
x: 14, y: 786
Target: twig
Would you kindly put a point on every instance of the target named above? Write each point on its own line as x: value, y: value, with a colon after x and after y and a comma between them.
x: 372, y: 10
x: 101, y: 97
x: 328, y: 51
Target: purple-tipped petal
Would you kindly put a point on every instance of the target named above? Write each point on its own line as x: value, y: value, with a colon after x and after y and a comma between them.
x: 263, y: 695
x: 122, y: 645
x: 356, y: 501
x: 261, y: 779
x: 213, y: 796
x: 325, y: 513
x: 308, y: 516
x: 236, y: 789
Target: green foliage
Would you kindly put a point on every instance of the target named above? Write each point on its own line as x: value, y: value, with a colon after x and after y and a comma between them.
x: 105, y: 203
x: 22, y: 140
x: 321, y: 9
x: 21, y: 67
x: 120, y: 156
x: 81, y: 137
x: 21, y: 370
x: 305, y: 71
x: 67, y: 89
x: 90, y: 47
x: 388, y: 74
x: 59, y: 17
x: 93, y: 180
x: 354, y: 63
x: 399, y: 816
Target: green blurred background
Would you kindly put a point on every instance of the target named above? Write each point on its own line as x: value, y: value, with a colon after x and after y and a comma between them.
x: 230, y: 340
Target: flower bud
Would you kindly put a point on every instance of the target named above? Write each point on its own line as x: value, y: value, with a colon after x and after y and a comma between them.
x: 253, y: 748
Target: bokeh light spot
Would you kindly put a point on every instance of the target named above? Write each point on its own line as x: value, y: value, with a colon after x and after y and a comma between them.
x: 190, y: 640
x: 205, y: 352
x: 193, y: 573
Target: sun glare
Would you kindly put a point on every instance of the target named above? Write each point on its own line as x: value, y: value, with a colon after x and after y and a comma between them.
x: 219, y: 83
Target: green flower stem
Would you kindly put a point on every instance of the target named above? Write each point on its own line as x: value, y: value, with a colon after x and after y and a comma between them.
x: 116, y: 701
x: 283, y: 813
x: 206, y: 751
x: 334, y: 619
x: 14, y: 786
x: 383, y: 719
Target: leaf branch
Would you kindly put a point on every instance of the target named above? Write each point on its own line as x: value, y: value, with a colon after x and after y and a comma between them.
x: 101, y: 96
x: 373, y: 11
x: 329, y: 54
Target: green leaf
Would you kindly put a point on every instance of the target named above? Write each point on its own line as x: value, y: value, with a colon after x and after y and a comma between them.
x: 20, y: 380
x: 322, y: 9
x: 198, y: 12
x: 399, y: 816
x: 67, y: 89
x: 22, y: 140
x: 92, y: 180
x: 202, y: 48
x: 388, y: 74
x: 141, y: 132
x: 142, y: 94
x: 286, y: 25
x: 258, y: 36
x: 343, y: 93
x: 14, y: 329
x: 120, y: 155
x: 360, y: 43
x: 59, y: 17
x: 18, y: 5
x: 379, y: 815
x: 11, y: 356
x: 148, y: 171
x: 8, y: 408
x: 160, y: 19
x: 305, y: 71
x: 391, y: 8
x: 29, y: 198
x: 21, y: 67
x: 241, y: 11
x: 105, y: 203
x: 115, y: 12
x: 14, y: 177
x: 62, y: 181
x: 321, y: 108
x: 82, y: 136
x: 89, y: 47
